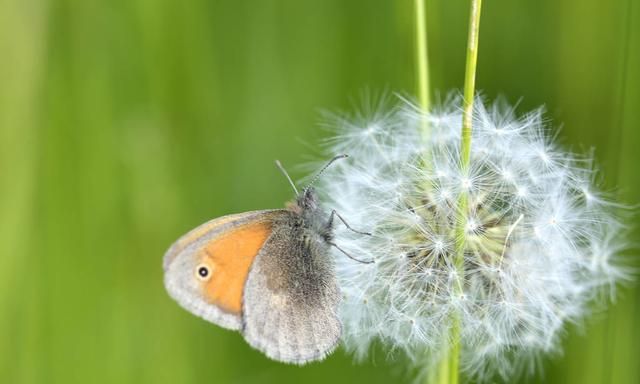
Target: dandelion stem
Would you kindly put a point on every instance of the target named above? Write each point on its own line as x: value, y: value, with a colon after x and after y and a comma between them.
x: 422, y: 66
x: 463, y: 199
x: 440, y: 375
x: 470, y: 81
x: 422, y: 73
x: 422, y: 61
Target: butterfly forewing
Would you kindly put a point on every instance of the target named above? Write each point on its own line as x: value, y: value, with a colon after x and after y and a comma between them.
x: 206, y: 269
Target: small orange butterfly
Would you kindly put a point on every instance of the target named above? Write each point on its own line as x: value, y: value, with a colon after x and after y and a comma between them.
x: 266, y: 273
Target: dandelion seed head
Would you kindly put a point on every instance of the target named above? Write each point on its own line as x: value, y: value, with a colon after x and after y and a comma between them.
x: 540, y: 240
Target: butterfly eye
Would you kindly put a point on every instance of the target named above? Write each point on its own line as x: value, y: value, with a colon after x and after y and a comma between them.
x: 203, y: 272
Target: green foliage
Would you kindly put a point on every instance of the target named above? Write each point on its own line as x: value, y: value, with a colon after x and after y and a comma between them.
x: 124, y: 123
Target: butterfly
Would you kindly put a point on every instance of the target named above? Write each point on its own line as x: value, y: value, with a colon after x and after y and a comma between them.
x: 267, y: 274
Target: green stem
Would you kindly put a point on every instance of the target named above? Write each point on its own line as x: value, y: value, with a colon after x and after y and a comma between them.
x: 444, y: 369
x: 470, y: 80
x: 454, y: 353
x: 439, y: 375
x: 422, y: 60
x: 463, y: 199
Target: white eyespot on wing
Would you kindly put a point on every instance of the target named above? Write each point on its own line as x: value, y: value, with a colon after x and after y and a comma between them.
x: 198, y: 306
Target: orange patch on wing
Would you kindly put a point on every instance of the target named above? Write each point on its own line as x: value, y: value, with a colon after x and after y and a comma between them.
x: 196, y: 234
x: 231, y: 256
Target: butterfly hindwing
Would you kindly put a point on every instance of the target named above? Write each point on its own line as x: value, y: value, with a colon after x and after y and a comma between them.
x: 291, y: 296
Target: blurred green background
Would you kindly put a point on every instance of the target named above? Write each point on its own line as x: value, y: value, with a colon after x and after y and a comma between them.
x: 124, y: 123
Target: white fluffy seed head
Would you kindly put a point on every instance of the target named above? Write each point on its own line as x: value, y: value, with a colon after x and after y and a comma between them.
x: 539, y: 239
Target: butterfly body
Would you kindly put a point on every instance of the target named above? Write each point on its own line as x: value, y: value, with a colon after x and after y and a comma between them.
x: 265, y: 273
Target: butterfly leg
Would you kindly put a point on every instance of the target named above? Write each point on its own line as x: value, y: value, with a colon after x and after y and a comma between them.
x: 349, y: 256
x: 330, y: 223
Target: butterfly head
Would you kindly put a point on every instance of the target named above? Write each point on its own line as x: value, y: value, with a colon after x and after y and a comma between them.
x: 307, y: 200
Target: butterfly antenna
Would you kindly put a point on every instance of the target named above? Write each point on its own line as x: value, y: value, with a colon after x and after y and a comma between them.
x: 317, y: 176
x: 284, y: 172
